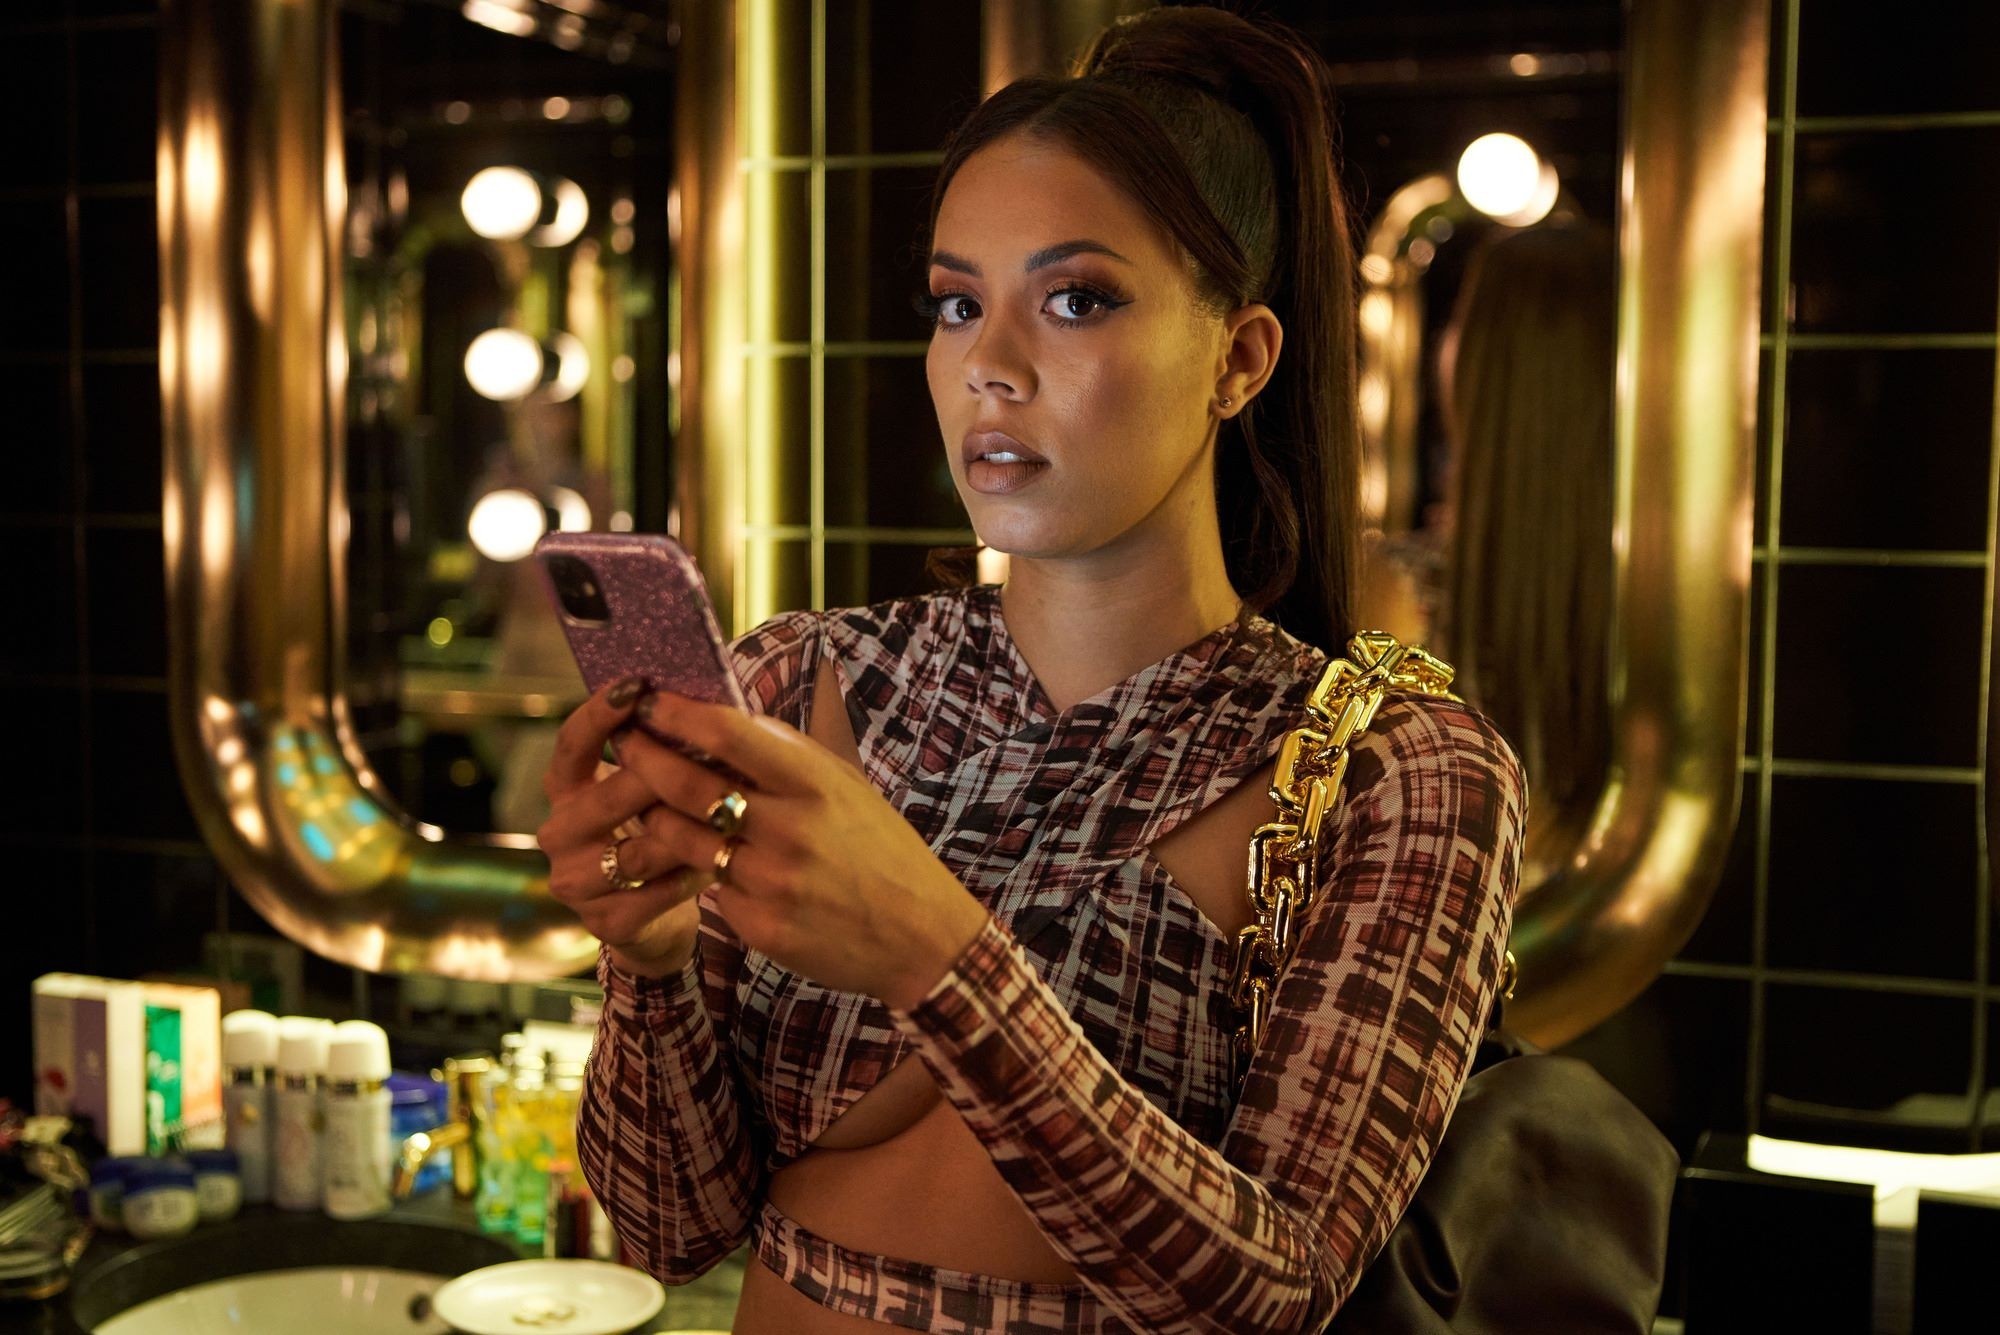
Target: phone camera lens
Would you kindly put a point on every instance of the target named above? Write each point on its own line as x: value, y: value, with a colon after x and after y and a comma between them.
x: 577, y: 588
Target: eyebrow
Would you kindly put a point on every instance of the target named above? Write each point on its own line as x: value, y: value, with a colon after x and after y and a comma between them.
x: 1041, y: 259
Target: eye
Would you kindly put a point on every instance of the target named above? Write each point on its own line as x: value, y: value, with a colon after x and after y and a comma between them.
x: 932, y: 306
x: 1079, y: 299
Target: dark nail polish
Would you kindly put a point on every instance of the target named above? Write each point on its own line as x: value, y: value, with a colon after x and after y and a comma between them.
x: 644, y: 709
x: 621, y: 694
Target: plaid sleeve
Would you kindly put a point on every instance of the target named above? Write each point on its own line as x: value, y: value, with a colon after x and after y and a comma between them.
x: 663, y: 1134
x: 1370, y: 1042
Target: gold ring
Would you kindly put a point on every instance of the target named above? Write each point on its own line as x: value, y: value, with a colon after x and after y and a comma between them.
x: 723, y: 854
x: 614, y: 875
x: 726, y: 813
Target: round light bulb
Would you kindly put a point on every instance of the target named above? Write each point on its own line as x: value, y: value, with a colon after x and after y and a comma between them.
x: 501, y: 203
x: 506, y: 524
x: 503, y: 363
x: 572, y: 511
x: 1499, y: 174
x: 572, y: 212
x: 572, y: 365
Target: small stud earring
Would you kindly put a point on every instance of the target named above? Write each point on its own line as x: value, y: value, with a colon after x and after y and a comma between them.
x: 1226, y: 400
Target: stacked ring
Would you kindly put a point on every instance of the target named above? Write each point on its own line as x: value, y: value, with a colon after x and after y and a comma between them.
x: 726, y: 813
x: 730, y: 844
x: 614, y: 875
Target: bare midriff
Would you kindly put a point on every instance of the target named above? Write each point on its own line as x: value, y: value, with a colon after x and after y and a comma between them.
x: 899, y: 1174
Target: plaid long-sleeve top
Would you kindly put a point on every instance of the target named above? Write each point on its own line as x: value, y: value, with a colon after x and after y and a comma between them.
x: 1083, y: 1036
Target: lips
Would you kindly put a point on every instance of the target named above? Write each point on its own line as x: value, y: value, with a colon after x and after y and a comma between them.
x: 995, y: 442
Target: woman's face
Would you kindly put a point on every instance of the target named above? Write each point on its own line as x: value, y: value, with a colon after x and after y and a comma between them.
x: 1066, y: 321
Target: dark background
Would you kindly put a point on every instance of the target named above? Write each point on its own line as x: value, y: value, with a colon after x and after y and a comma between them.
x: 1847, y: 963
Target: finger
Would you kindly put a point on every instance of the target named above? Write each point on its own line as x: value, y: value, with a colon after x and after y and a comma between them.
x: 651, y: 856
x: 621, y: 917
x: 589, y: 816
x: 774, y: 757
x: 680, y: 782
x: 581, y: 738
x: 680, y: 839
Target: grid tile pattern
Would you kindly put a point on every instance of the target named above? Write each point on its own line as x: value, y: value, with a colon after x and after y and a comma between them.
x: 109, y: 871
x: 1854, y: 925
x: 845, y: 484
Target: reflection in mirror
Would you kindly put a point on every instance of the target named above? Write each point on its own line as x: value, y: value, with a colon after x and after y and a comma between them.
x: 507, y: 290
x: 1488, y: 338
x: 1596, y: 613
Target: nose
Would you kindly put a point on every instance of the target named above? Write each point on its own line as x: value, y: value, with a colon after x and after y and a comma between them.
x: 997, y: 361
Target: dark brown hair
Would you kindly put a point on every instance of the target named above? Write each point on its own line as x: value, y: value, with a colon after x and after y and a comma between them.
x: 1222, y: 130
x: 1529, y: 414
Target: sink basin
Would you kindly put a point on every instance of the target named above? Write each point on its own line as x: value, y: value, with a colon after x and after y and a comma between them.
x: 360, y: 1300
x: 234, y: 1275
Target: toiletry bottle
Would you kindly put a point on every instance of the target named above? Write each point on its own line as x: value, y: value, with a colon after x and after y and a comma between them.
x: 249, y: 1061
x: 523, y: 1134
x: 295, y: 1148
x: 357, y: 1121
x: 494, y: 1204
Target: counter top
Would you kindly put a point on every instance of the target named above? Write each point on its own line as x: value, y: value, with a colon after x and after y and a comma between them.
x: 433, y: 1233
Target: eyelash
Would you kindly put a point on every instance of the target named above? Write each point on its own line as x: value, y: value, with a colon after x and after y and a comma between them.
x: 931, y: 305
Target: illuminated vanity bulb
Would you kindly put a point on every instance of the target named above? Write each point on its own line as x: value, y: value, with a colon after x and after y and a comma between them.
x: 502, y: 203
x: 572, y: 212
x: 506, y: 524
x: 572, y: 365
x: 572, y: 511
x: 1504, y: 178
x: 503, y: 364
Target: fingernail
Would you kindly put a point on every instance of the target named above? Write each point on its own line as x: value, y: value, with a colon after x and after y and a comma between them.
x: 644, y: 709
x: 621, y: 694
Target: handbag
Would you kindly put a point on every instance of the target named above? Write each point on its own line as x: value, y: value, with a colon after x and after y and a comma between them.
x: 1545, y: 1206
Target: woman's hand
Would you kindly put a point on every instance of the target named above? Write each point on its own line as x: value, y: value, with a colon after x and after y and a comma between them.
x: 650, y: 930
x: 828, y: 879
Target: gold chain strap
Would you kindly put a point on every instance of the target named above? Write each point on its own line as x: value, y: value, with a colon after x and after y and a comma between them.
x: 1284, y: 855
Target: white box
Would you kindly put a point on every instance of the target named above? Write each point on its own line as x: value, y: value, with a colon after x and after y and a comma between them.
x: 90, y: 1055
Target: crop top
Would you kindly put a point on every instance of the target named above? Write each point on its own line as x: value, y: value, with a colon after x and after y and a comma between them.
x: 1084, y: 1034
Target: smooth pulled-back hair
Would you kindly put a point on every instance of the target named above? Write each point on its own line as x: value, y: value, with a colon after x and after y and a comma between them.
x: 1530, y: 416
x: 1222, y: 130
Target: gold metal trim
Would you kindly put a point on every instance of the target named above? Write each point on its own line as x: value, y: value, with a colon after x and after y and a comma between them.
x: 1636, y: 873
x: 252, y: 212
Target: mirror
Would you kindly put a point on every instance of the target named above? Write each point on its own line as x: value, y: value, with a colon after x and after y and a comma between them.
x: 1488, y: 339
x: 273, y: 723
x: 508, y: 273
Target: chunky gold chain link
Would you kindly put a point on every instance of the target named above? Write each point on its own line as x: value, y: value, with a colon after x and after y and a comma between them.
x: 1285, y: 855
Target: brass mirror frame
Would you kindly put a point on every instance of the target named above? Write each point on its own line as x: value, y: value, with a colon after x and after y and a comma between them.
x: 253, y: 381
x: 1644, y: 862
x: 252, y: 365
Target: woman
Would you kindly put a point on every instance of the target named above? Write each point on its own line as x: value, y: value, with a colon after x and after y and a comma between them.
x: 944, y: 1029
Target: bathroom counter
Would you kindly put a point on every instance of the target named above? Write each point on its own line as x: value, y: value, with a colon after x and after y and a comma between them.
x: 433, y: 1233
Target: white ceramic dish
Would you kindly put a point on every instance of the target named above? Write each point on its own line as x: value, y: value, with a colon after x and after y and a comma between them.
x: 355, y: 1300
x: 557, y: 1297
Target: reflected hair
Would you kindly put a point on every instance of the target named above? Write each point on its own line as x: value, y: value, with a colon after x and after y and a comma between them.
x: 1223, y: 131
x: 1529, y: 413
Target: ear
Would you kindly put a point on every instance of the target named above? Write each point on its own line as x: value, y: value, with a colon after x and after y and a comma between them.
x: 1251, y: 340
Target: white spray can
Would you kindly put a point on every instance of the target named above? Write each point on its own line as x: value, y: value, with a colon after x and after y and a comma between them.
x: 357, y: 1121
x: 249, y: 1062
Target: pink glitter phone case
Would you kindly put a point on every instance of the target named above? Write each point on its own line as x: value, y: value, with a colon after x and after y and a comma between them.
x: 633, y: 604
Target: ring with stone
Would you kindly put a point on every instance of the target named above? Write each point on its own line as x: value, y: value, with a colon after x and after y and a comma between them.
x: 726, y: 813
x: 614, y: 875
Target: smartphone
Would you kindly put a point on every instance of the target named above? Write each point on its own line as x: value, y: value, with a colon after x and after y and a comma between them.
x: 634, y: 605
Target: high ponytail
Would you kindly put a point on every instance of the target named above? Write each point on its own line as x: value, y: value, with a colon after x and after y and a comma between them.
x: 1222, y: 130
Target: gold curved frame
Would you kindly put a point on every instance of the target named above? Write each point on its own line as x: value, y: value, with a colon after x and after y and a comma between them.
x: 1624, y: 880
x: 252, y: 211
x: 252, y: 376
